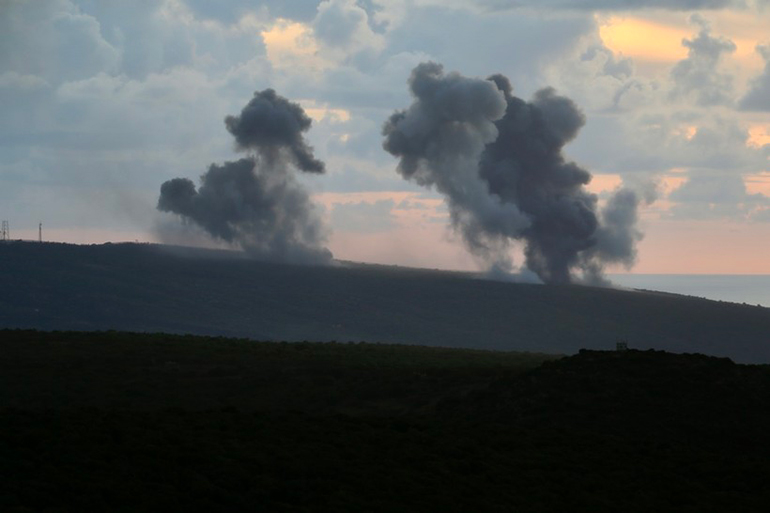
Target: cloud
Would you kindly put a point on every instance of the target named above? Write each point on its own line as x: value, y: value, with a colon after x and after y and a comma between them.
x: 762, y: 215
x: 21, y: 83
x: 716, y: 195
x: 615, y: 5
x: 292, y: 48
x: 655, y: 138
x: 232, y: 10
x: 600, y: 79
x: 515, y: 43
x: 366, y: 91
x: 20, y: 97
x: 369, y: 83
x: 339, y: 34
x: 363, y: 216
x: 758, y: 96
x: 102, y: 97
x: 698, y: 76
x: 580, y: 5
x: 355, y: 179
x: 53, y: 40
x: 722, y: 144
x: 342, y: 26
x: 153, y: 37
x: 113, y: 112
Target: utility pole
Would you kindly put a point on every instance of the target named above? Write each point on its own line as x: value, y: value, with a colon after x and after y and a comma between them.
x: 5, y: 231
x: 40, y: 232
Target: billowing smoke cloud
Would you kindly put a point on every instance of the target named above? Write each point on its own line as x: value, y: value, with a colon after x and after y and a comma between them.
x: 255, y: 203
x: 272, y: 126
x: 498, y: 161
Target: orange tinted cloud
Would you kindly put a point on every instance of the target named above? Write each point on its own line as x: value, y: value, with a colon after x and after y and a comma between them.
x: 661, y: 40
x: 319, y: 112
x: 640, y: 38
x: 604, y: 183
x: 758, y: 184
x: 759, y: 135
x: 291, y: 45
x: 329, y: 199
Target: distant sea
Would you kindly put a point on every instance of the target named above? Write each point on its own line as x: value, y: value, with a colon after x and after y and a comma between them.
x: 752, y: 289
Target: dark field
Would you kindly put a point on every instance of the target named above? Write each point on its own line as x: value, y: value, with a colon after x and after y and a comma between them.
x: 139, y: 422
x: 149, y: 288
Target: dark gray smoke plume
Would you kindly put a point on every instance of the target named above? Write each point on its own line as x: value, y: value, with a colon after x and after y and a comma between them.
x: 498, y: 161
x: 271, y: 124
x: 255, y: 203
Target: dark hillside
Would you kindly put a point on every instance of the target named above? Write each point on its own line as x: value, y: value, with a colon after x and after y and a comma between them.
x: 43, y: 370
x: 154, y: 288
x: 639, y: 393
x: 133, y: 422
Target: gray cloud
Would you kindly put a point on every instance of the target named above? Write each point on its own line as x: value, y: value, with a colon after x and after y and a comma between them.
x: 343, y: 24
x: 620, y: 68
x: 697, y: 75
x: 762, y: 215
x: 640, y: 147
x: 255, y: 203
x: 337, y: 22
x: 709, y: 194
x: 127, y: 94
x: 152, y: 37
x: 498, y: 161
x: 516, y: 43
x: 616, y: 5
x: 758, y: 96
x: 363, y: 216
x: 350, y: 179
x: 54, y: 40
x: 232, y: 10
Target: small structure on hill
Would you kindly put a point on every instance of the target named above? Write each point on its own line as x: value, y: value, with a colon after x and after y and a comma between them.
x: 621, y: 346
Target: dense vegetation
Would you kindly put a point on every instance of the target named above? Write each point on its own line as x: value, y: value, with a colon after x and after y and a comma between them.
x: 149, y: 288
x: 117, y: 421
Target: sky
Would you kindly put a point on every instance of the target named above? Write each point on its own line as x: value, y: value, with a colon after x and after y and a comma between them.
x: 102, y: 102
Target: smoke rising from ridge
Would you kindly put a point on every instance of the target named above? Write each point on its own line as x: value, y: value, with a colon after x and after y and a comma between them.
x: 271, y: 124
x: 498, y: 161
x: 256, y: 203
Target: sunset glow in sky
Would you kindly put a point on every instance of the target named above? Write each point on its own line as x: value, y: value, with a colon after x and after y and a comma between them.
x: 101, y: 102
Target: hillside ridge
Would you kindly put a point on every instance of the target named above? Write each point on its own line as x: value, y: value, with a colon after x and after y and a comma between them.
x: 153, y: 288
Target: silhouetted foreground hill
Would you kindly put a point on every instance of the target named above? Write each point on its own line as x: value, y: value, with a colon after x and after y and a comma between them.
x: 152, y: 288
x: 148, y: 371
x: 122, y: 422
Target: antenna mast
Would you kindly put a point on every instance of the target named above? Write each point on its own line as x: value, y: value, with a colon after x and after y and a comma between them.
x: 40, y: 232
x: 5, y: 231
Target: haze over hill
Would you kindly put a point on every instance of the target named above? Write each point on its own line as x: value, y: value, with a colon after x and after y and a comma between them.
x: 153, y: 288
